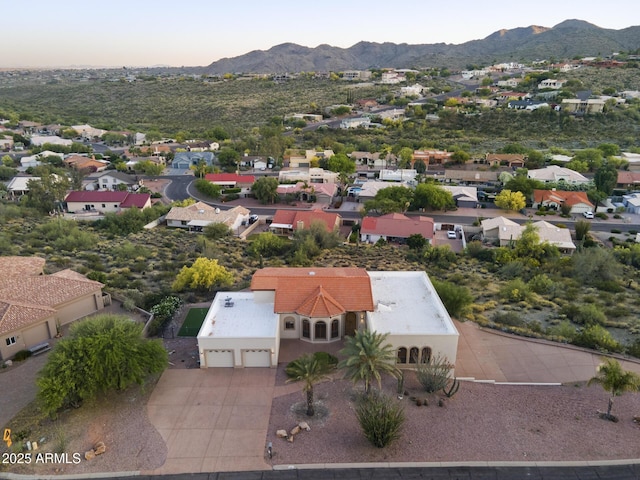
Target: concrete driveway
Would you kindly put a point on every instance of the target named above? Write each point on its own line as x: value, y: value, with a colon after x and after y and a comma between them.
x: 213, y: 420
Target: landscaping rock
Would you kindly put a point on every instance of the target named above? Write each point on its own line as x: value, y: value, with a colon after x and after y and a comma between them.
x: 304, y: 426
x: 282, y: 434
x: 99, y: 448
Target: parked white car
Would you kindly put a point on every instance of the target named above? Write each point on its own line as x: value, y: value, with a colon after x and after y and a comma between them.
x: 588, y: 214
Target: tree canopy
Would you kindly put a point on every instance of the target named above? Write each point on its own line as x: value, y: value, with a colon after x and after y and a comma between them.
x: 204, y: 274
x: 265, y: 189
x: 510, y: 200
x: 105, y: 352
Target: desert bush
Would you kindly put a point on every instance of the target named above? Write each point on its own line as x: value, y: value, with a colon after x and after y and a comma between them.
x: 508, y: 318
x: 380, y: 417
x: 456, y: 298
x: 515, y: 291
x: 540, y: 284
x: 565, y: 329
x: 21, y: 355
x: 598, y: 338
x: 434, y: 375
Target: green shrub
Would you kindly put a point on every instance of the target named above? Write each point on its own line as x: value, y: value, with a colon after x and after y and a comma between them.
x: 21, y: 355
x: 598, y: 338
x: 456, y: 298
x: 434, y: 376
x: 564, y: 329
x: 540, y: 284
x: 508, y: 318
x: 380, y: 417
x: 515, y: 291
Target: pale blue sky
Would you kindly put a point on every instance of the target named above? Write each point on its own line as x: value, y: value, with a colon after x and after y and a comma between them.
x: 46, y: 33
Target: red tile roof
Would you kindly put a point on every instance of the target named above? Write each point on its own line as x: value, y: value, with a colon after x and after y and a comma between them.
x: 229, y: 178
x: 628, y: 178
x: 139, y: 200
x: 317, y: 291
x: 96, y: 196
x: 398, y: 225
x: 560, y: 196
x: 305, y: 218
x: 16, y: 315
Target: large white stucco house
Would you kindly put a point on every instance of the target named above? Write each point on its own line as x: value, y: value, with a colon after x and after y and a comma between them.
x: 323, y: 305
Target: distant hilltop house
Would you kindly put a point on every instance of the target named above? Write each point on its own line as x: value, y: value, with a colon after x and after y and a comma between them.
x: 353, y: 75
x: 39, y: 140
x: 323, y: 305
x: 513, y: 160
x: 34, y: 306
x: 431, y: 157
x: 105, y: 201
x: 551, y: 83
x: 88, y: 132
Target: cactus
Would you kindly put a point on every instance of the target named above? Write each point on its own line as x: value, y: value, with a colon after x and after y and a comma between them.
x: 452, y: 388
x: 401, y: 383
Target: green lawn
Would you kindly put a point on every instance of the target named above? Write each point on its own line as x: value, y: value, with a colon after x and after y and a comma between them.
x: 193, y: 322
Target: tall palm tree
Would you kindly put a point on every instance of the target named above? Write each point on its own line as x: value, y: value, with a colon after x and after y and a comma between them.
x: 309, y: 369
x: 367, y: 357
x: 615, y: 380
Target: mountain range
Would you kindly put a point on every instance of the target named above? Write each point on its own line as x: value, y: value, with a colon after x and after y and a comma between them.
x: 566, y: 40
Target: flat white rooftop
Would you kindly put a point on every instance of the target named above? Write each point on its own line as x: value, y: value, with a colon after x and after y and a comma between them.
x: 406, y: 303
x: 237, y: 315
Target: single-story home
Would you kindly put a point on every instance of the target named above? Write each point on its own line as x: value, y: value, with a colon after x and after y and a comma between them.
x: 555, y: 174
x: 197, y: 216
x: 39, y: 140
x: 395, y: 227
x: 398, y: 175
x: 105, y: 201
x: 631, y: 202
x: 323, y: 305
x: 465, y: 197
x: 471, y: 177
x: 324, y: 192
x: 286, y: 222
x: 554, y: 199
x: 80, y: 162
x: 231, y: 180
x: 186, y: 160
x: 19, y: 186
x: 629, y: 180
x: 34, y: 306
x: 513, y: 160
x: 504, y: 232
x: 370, y: 189
x: 309, y: 175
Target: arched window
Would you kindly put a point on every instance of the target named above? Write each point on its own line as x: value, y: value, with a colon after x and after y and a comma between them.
x: 289, y: 323
x: 335, y: 328
x: 426, y: 355
x: 413, y: 355
x: 320, y: 331
x: 402, y: 355
x: 306, y: 328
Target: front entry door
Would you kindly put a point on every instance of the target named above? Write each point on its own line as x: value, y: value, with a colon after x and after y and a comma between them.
x: 350, y: 323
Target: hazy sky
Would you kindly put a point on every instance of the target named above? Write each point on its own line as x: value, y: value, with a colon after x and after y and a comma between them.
x: 45, y: 33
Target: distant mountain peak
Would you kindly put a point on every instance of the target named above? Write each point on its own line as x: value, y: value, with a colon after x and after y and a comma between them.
x: 566, y: 40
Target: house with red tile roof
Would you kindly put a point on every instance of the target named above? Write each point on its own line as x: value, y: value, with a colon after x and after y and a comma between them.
x: 395, y: 227
x: 231, y: 180
x: 80, y: 162
x: 628, y: 180
x: 510, y: 159
x: 33, y: 306
x: 323, y: 305
x: 105, y: 201
x: 554, y: 199
x: 286, y: 222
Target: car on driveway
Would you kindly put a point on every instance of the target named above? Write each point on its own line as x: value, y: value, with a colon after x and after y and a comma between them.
x: 588, y: 214
x: 452, y: 234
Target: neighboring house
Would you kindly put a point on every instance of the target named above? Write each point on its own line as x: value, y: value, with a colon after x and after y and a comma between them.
x: 395, y: 227
x: 197, y: 216
x: 554, y: 199
x: 105, y: 201
x: 323, y: 305
x: 582, y: 107
x: 232, y: 180
x: 465, y: 197
x: 34, y: 306
x: 470, y: 177
x: 632, y: 202
x: 370, y: 189
x: 88, y: 132
x: 398, y: 175
x: 324, y: 192
x: 432, y: 157
x: 628, y: 180
x: 286, y: 222
x: 551, y: 83
x: 110, y: 180
x: 513, y: 160
x: 35, y: 160
x: 80, y: 162
x: 39, y: 140
x: 19, y: 186
x: 504, y: 232
x: 186, y: 160
x: 355, y: 122
x: 309, y: 175
x: 556, y: 174
x: 633, y: 159
x: 6, y: 144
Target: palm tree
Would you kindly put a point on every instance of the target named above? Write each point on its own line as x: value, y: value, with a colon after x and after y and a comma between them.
x: 615, y: 380
x: 309, y: 369
x: 367, y: 358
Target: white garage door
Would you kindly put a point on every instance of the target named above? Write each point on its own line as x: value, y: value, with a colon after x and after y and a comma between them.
x: 257, y: 358
x: 219, y: 358
x: 36, y: 335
